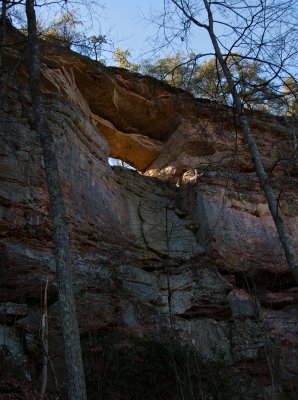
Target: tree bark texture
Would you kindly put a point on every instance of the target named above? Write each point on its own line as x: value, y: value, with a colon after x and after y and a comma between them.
x: 70, y: 330
x: 2, y: 43
x: 284, y: 236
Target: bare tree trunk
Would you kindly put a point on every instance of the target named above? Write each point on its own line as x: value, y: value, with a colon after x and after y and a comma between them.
x: 45, y: 342
x: 284, y: 236
x: 2, y: 42
x: 72, y: 348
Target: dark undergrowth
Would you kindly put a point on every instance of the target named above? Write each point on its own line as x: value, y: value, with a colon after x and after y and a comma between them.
x: 147, y: 369
x: 15, y: 384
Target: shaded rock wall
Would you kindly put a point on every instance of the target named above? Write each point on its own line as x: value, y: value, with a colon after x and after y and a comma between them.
x: 190, y: 249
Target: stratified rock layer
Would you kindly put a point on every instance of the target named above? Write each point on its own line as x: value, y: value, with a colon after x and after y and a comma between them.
x: 188, y: 248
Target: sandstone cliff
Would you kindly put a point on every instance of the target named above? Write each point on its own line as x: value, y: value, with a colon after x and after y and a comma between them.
x: 184, y: 245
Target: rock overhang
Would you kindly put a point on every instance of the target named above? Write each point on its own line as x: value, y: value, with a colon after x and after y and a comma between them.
x: 149, y: 124
x: 122, y: 222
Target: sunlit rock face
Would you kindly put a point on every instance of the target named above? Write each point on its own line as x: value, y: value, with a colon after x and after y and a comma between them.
x: 187, y: 248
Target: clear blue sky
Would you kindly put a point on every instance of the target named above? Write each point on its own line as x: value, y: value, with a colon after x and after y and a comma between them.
x: 125, y: 19
x: 128, y: 22
x: 128, y: 27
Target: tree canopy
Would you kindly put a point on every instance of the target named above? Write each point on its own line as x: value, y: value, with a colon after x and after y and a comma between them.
x: 206, y: 79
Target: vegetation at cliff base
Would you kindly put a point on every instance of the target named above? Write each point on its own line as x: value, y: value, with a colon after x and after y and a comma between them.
x: 149, y: 368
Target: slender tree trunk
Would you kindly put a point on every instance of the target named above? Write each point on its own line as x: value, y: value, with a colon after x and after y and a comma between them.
x: 284, y: 236
x: 72, y: 349
x: 45, y: 342
x: 2, y: 43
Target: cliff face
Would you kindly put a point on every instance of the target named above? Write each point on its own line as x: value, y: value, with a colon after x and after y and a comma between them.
x: 187, y: 248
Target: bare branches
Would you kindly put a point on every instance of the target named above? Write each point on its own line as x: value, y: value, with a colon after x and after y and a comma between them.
x: 262, y: 32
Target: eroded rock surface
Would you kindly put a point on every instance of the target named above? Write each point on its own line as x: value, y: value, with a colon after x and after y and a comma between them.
x: 188, y: 248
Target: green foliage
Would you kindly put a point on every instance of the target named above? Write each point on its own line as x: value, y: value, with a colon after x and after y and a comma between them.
x: 94, y: 45
x: 290, y: 98
x: 66, y: 32
x: 64, y: 29
x: 207, y: 80
x: 144, y: 368
x: 121, y: 59
x: 176, y: 70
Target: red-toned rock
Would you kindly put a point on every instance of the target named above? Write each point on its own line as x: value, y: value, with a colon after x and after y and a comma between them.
x: 187, y: 247
x: 243, y: 304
